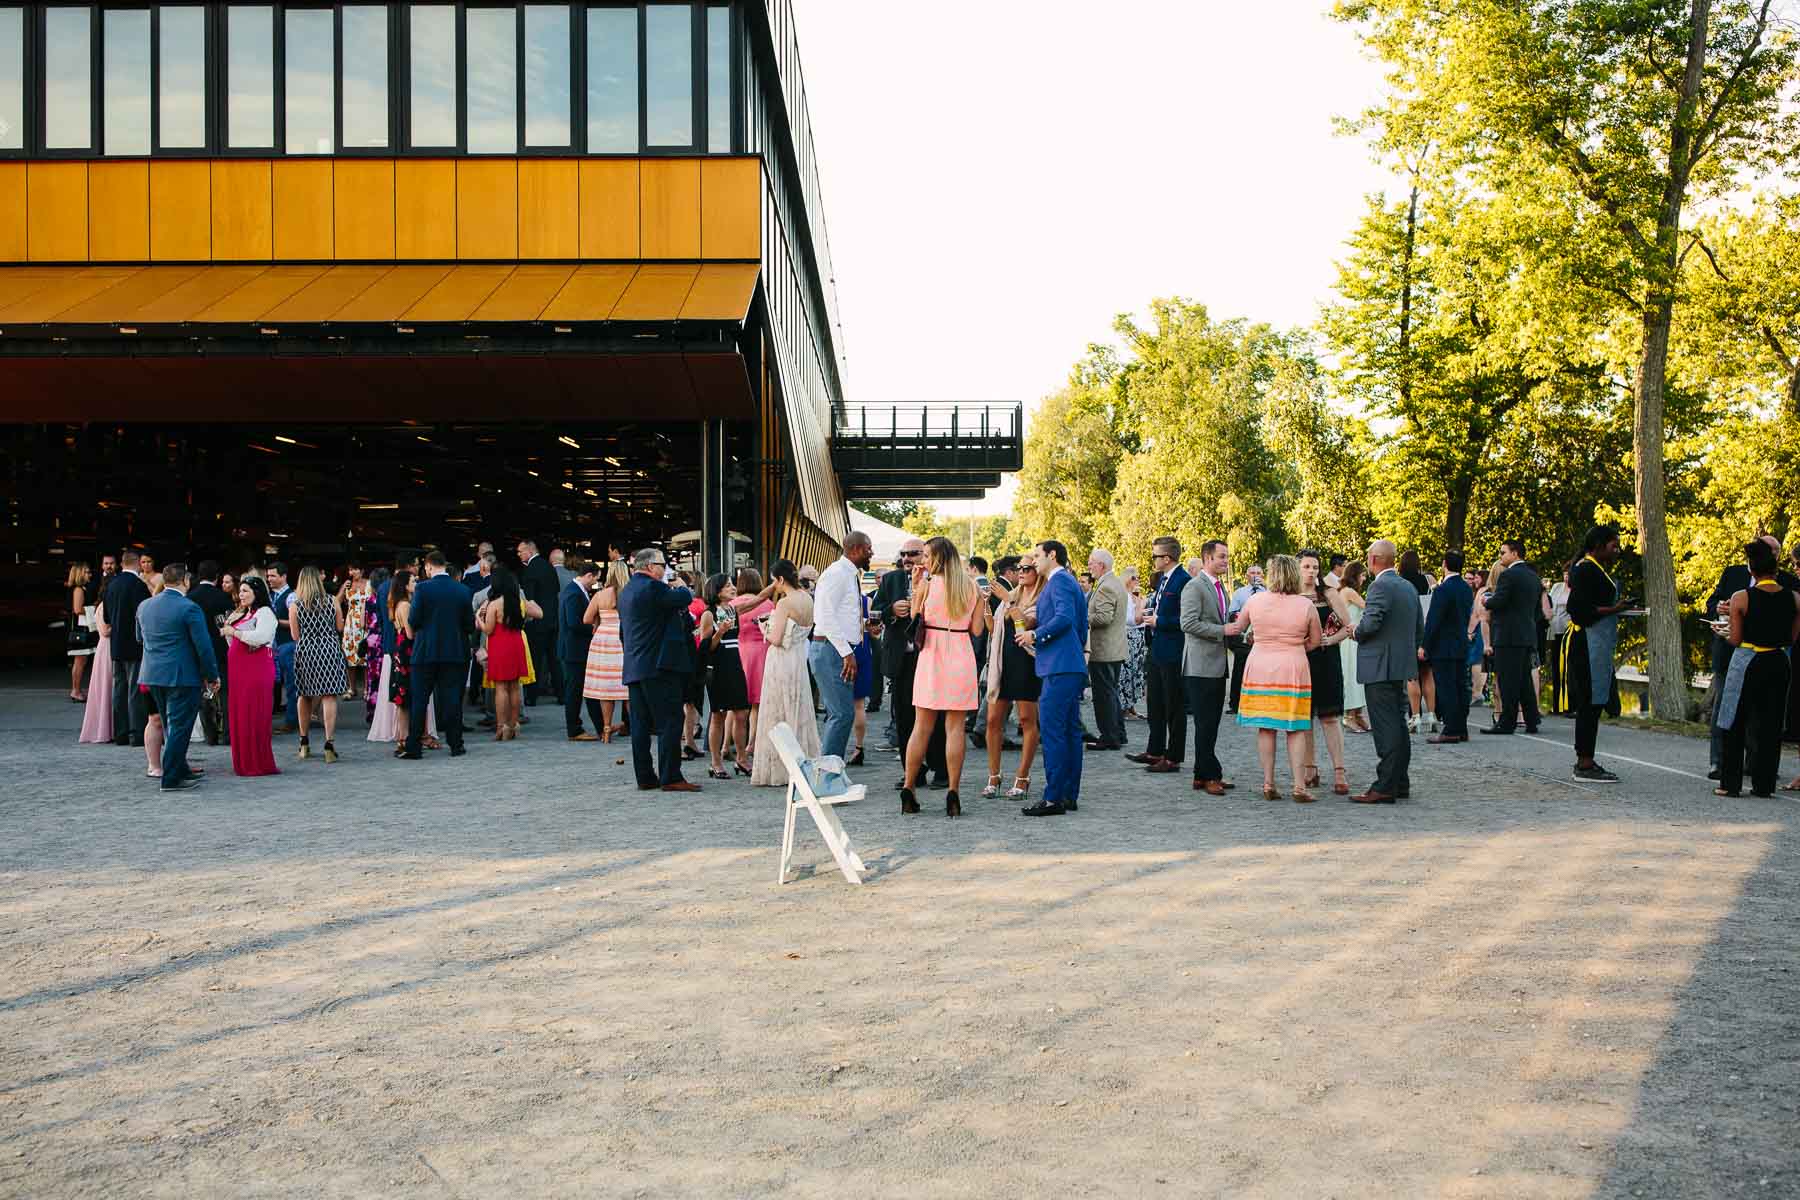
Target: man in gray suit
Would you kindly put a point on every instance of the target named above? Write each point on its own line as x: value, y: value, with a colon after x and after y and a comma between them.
x: 1206, y: 661
x: 1108, y: 607
x: 178, y: 662
x: 1388, y: 643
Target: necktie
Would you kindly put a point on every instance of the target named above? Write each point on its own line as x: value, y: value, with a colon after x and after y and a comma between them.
x: 1220, y: 588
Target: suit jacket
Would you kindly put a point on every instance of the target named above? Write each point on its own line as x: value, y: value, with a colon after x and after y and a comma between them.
x: 538, y: 582
x: 443, y: 624
x: 1390, y: 632
x: 1109, y: 606
x: 1513, y: 608
x: 177, y: 645
x: 653, y: 626
x: 1447, y: 628
x: 214, y: 603
x: 1203, y: 625
x: 1736, y: 578
x: 1167, y: 642
x: 895, y: 631
x: 1062, y: 627
x: 120, y: 607
x: 574, y: 634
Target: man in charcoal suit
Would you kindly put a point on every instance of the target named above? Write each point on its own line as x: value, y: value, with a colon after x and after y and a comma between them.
x: 1388, y: 644
x: 1206, y: 660
x: 1512, y: 619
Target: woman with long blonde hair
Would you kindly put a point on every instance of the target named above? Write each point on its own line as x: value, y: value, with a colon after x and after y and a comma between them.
x: 321, y: 673
x: 1012, y: 675
x: 82, y: 639
x: 951, y: 617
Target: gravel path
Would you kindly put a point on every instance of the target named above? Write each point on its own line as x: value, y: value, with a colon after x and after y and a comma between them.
x: 514, y: 974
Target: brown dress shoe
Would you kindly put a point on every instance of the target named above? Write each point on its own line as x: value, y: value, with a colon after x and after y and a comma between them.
x: 1211, y: 787
x: 584, y: 737
x: 1372, y: 797
x: 1163, y: 766
x: 1444, y: 739
x: 681, y: 785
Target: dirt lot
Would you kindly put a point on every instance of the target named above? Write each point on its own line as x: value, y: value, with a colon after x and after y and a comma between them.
x: 515, y: 975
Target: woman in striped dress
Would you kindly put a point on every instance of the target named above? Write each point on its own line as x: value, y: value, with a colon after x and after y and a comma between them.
x: 1277, y: 694
x: 605, y: 678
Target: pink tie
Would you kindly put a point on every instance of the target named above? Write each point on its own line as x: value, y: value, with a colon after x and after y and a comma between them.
x: 1220, y: 588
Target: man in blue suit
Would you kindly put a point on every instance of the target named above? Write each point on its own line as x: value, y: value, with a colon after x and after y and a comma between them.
x: 1061, y: 642
x: 1447, y: 649
x: 1165, y: 693
x: 659, y: 655
x: 573, y: 636
x: 178, y: 660
x: 443, y: 626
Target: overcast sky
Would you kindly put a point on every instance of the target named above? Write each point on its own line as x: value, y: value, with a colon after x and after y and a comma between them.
x: 1001, y: 179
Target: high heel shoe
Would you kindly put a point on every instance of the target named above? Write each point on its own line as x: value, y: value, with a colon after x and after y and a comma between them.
x: 1312, y: 777
x: 1338, y: 786
x: 331, y: 754
x: 992, y: 789
x: 1269, y: 792
x: 952, y: 804
x: 1302, y: 796
x: 1021, y: 787
x: 720, y: 774
x: 909, y: 803
x: 856, y: 760
x: 305, y: 748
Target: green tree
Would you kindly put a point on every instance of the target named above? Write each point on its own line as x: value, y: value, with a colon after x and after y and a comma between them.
x: 1073, y: 449
x: 894, y: 512
x: 1329, y: 506
x: 1639, y: 108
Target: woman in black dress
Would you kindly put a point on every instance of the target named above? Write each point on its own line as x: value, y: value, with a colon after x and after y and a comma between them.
x: 1012, y: 672
x: 1765, y: 620
x: 1589, y: 685
x: 728, y: 691
x: 1326, y: 663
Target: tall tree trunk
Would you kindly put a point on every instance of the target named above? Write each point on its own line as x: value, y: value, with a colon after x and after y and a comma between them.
x: 1668, y: 657
x: 1456, y: 516
x: 1406, y: 296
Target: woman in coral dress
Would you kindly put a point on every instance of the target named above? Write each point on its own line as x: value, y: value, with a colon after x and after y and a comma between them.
x: 250, y: 659
x: 753, y: 605
x: 952, y: 616
x: 1277, y: 695
x: 605, y: 678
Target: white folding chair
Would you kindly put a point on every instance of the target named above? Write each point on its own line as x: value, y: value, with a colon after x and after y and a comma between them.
x: 823, y: 810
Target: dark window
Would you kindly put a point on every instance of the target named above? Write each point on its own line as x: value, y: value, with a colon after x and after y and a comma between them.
x: 612, y: 80
x: 125, y: 87
x: 432, y: 68
x: 669, y: 75
x: 68, y: 79
x: 181, y: 78
x: 365, y: 76
x: 549, y: 110
x: 492, y: 80
x: 250, y: 76
x: 12, y: 79
x: 718, y: 79
x: 308, y: 92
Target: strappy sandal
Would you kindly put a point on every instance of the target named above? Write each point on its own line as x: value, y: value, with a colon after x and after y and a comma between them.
x: 992, y: 789
x: 1269, y: 793
x: 1302, y: 796
x: 1312, y: 777
x: 1793, y: 786
x: 1338, y: 785
x: 1727, y: 794
x: 719, y: 774
x: 1021, y: 787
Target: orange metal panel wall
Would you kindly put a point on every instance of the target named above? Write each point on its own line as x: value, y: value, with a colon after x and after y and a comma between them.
x: 372, y: 210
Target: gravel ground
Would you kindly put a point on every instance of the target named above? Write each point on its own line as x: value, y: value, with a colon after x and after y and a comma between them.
x: 514, y: 974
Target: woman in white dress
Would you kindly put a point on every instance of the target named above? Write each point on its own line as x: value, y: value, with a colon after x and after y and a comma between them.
x: 1350, y: 587
x: 787, y: 683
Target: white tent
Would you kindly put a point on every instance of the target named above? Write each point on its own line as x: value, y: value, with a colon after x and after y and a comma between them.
x: 887, y: 538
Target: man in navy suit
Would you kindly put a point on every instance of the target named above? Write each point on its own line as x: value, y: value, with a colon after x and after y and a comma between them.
x: 443, y: 630
x: 1061, y: 642
x: 659, y: 655
x: 178, y: 660
x: 1166, y: 694
x: 572, y: 639
x: 1447, y: 649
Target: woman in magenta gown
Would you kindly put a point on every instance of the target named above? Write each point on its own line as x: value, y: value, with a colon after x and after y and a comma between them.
x: 251, y: 661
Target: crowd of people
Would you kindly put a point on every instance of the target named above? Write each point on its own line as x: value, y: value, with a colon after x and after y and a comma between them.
x: 1305, y: 649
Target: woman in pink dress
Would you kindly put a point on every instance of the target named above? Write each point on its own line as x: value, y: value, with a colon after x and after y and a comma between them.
x: 753, y: 603
x: 250, y: 659
x: 1277, y: 694
x: 605, y: 679
x: 96, y: 718
x: 952, y: 616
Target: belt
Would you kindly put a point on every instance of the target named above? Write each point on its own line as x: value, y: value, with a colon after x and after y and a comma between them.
x: 820, y: 637
x: 1757, y: 648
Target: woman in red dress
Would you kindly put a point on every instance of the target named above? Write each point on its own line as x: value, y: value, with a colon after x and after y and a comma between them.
x: 251, y: 663
x: 503, y: 619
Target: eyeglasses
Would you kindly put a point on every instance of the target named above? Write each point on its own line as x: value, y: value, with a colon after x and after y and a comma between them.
x: 1154, y: 557
x: 911, y: 553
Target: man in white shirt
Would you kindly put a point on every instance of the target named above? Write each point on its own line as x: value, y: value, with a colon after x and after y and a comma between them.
x: 837, y: 630
x: 1237, y: 643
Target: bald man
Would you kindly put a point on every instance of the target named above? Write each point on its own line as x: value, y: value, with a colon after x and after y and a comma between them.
x: 1388, y: 642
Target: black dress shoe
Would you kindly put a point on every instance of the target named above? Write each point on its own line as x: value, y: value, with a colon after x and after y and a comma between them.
x: 181, y: 785
x: 409, y: 756
x: 458, y: 751
x: 1713, y: 774
x: 1531, y: 729
x: 980, y: 740
x: 938, y: 783
x: 1071, y: 806
x: 1010, y: 744
x: 1043, y: 808
x: 1146, y: 759
x: 124, y: 739
x: 1497, y: 730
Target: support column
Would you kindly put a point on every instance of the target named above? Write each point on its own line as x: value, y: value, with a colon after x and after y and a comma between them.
x: 715, y: 533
